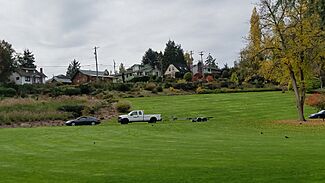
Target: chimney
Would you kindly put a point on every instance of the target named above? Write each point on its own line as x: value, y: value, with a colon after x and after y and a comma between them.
x: 41, y: 70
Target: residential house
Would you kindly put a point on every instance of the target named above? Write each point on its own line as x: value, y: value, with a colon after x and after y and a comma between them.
x: 176, y: 70
x: 88, y: 76
x: 28, y: 76
x: 137, y: 71
x: 205, y: 70
x: 60, y: 79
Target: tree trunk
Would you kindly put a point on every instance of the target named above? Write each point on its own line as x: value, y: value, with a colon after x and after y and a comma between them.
x: 300, y: 101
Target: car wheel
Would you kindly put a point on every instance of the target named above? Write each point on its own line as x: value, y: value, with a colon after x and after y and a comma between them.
x: 153, y: 120
x: 125, y: 122
x: 93, y: 123
x: 73, y: 124
x: 199, y: 120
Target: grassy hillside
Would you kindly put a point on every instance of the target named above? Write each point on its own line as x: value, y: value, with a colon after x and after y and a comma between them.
x: 229, y: 148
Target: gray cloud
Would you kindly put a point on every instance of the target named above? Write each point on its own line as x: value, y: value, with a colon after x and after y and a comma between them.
x: 58, y: 31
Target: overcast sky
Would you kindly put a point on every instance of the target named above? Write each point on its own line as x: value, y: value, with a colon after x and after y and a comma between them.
x: 58, y: 31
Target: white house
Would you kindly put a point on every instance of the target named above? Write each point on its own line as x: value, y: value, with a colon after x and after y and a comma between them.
x: 174, y: 70
x: 137, y: 71
x: 28, y: 76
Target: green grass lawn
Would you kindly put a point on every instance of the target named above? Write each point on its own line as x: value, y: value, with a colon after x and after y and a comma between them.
x: 229, y: 148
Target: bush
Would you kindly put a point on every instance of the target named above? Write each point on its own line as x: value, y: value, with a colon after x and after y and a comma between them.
x: 159, y: 89
x: 150, y: 86
x: 76, y: 110
x: 7, y: 92
x: 122, y: 87
x: 188, y: 76
x: 123, y: 106
x: 86, y: 89
x: 209, y: 78
x: 72, y: 91
x: 317, y: 101
x: 184, y: 86
x: 200, y: 90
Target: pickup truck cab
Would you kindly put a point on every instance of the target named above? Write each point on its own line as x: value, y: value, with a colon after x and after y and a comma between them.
x: 139, y: 116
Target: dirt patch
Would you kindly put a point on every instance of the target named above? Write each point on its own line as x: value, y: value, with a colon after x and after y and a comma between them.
x: 313, y: 122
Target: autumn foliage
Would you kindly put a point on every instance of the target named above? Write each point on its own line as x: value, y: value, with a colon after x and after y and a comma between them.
x: 317, y: 101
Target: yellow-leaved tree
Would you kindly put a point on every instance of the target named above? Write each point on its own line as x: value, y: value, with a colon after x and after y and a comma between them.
x: 294, y: 43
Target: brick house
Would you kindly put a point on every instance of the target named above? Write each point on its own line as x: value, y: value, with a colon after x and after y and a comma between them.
x: 87, y: 76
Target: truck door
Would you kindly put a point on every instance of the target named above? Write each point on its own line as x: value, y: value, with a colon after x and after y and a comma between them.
x: 134, y: 116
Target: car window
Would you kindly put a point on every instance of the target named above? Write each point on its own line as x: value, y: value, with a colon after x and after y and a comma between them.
x: 134, y: 113
x: 140, y: 113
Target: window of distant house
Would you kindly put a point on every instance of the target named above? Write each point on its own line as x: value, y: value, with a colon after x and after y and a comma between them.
x: 170, y: 69
x: 17, y: 78
x: 27, y: 79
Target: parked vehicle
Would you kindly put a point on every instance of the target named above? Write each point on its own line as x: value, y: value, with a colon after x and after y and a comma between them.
x: 320, y: 114
x: 139, y: 116
x: 83, y: 121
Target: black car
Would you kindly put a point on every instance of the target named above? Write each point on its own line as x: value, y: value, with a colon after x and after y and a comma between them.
x: 320, y: 114
x: 83, y: 121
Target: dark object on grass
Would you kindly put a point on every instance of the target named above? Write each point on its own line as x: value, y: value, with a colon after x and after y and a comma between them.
x: 286, y: 137
x: 200, y: 119
x: 320, y: 114
x: 261, y: 133
x: 83, y: 121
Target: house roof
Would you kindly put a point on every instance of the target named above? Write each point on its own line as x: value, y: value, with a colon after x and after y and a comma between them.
x: 182, y: 68
x: 61, y: 79
x: 35, y: 73
x: 104, y: 74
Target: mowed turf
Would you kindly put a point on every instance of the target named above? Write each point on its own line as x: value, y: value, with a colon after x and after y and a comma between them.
x: 228, y: 148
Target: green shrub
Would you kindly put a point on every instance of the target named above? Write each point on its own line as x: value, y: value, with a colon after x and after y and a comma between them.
x: 76, y: 110
x: 159, y: 89
x: 86, y: 89
x: 122, y: 87
x: 72, y: 91
x: 185, y: 86
x: 188, y: 76
x: 123, y: 106
x: 7, y: 92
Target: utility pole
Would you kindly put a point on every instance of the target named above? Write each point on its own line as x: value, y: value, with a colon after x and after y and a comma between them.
x: 96, y: 58
x: 201, y: 54
x: 114, y: 66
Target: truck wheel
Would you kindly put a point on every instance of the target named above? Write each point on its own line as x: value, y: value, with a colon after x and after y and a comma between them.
x: 153, y: 120
x: 199, y: 119
x: 125, y: 122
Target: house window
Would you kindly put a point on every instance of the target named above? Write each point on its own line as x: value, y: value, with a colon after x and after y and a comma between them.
x: 27, y: 79
x: 17, y: 78
x: 170, y: 69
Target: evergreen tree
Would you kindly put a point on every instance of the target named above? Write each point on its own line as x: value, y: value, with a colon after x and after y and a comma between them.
x: 173, y: 54
x: 73, y: 68
x: 7, y: 62
x: 210, y: 61
x: 27, y: 60
x: 151, y: 58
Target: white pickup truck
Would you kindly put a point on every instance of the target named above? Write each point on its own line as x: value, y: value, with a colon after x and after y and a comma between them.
x: 139, y: 116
